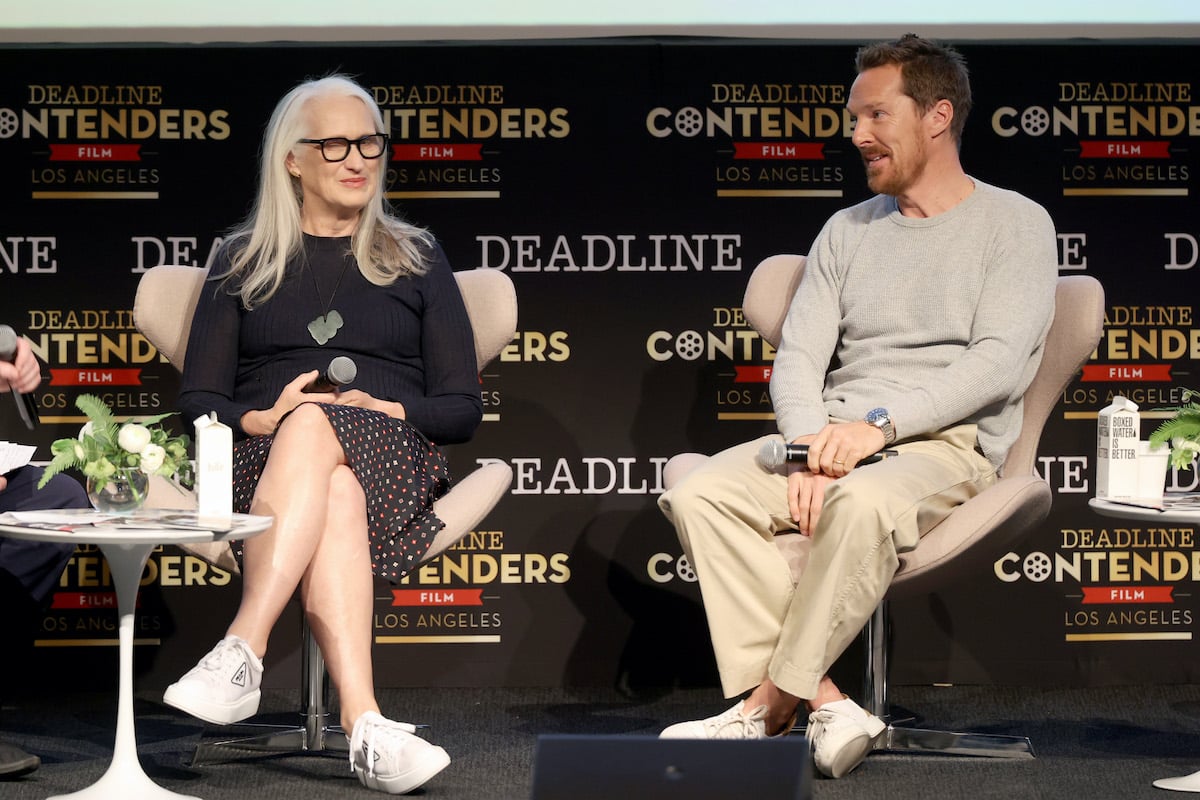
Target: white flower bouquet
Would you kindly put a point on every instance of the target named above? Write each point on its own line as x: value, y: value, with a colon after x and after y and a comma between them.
x: 105, y: 448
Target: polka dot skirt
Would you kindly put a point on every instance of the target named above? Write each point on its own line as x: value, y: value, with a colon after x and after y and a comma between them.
x: 401, y: 474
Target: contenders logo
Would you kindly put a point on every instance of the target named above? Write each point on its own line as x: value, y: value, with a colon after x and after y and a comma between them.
x: 91, y: 351
x: 1121, y: 135
x: 97, y: 136
x: 778, y: 132
x: 742, y: 392
x: 458, y: 597
x: 81, y: 612
x: 1134, y: 358
x: 1121, y: 582
x: 439, y: 133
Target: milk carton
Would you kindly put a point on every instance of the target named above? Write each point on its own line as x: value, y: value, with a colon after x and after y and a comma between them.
x: 1117, y: 433
x: 214, y: 473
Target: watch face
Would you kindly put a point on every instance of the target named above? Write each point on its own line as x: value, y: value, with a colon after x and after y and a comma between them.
x: 876, y: 414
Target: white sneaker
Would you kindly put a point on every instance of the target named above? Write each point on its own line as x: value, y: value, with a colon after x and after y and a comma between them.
x: 387, y: 756
x: 841, y: 734
x: 223, y: 687
x: 731, y: 724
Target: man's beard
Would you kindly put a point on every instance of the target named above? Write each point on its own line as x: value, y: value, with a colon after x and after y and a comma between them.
x: 897, y: 179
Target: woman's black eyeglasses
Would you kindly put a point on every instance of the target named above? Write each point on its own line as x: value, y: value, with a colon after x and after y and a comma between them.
x: 336, y: 148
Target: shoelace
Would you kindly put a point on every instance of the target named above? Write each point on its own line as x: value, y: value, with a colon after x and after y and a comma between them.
x: 216, y: 657
x: 384, y: 730
x: 822, y: 716
x: 732, y: 725
x: 816, y: 726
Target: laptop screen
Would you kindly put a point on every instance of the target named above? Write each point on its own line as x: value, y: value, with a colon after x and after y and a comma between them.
x: 576, y: 767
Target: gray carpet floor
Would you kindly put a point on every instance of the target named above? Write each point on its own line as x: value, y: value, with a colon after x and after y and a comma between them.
x: 1096, y: 743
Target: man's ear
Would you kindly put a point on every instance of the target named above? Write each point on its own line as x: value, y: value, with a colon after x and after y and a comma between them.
x: 940, y: 117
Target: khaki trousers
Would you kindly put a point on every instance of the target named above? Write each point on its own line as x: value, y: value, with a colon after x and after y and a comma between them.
x: 728, y: 511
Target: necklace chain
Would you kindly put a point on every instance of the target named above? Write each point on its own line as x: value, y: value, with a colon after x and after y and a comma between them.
x: 329, y: 322
x: 336, y: 285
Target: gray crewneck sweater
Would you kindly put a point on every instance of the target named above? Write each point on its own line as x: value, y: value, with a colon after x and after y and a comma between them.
x: 939, y: 320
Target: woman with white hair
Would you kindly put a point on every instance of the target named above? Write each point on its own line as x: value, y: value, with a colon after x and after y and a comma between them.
x: 320, y: 269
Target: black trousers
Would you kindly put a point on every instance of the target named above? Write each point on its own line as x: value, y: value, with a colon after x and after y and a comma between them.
x: 36, y: 566
x: 29, y: 571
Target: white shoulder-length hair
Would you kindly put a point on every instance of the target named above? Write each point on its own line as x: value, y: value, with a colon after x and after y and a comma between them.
x: 385, y: 246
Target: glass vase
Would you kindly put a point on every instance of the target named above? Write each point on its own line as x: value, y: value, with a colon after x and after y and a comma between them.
x: 122, y: 493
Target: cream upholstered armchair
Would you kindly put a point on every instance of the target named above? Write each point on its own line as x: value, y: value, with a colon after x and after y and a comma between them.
x: 162, y: 311
x: 977, y: 531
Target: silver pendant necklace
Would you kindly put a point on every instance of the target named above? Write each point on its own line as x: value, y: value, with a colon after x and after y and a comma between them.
x: 326, y: 325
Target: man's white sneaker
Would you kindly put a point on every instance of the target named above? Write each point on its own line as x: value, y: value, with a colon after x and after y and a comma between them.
x: 841, y: 734
x: 731, y: 724
x: 387, y: 756
x: 223, y: 687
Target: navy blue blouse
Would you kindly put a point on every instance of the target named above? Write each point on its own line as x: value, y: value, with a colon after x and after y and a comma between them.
x: 411, y: 341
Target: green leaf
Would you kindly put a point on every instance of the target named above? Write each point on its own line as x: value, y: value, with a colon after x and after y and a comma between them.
x: 96, y: 409
x: 66, y: 456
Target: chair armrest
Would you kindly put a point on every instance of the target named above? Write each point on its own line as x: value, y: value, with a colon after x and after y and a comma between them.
x: 467, y: 503
x: 973, y: 535
x: 679, y: 466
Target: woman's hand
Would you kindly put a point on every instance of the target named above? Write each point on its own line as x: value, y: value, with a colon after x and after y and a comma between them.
x: 357, y: 397
x: 264, y: 421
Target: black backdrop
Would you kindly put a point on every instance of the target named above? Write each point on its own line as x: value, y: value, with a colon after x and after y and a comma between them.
x: 628, y: 186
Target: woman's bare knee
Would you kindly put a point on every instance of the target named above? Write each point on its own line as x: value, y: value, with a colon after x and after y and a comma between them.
x: 308, y: 422
x: 305, y: 435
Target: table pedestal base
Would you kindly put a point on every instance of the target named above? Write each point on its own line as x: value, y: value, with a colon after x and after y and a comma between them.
x: 125, y: 778
x: 126, y: 548
x: 1184, y: 783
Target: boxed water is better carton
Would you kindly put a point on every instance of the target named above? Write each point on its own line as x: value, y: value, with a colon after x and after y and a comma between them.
x: 1118, y: 430
x: 214, y: 473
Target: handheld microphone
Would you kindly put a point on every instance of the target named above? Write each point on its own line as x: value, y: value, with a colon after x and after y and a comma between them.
x: 775, y: 453
x: 340, y: 372
x: 26, y: 406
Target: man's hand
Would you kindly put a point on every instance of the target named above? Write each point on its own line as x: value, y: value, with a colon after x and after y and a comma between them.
x: 24, y: 373
x: 839, y: 446
x: 832, y: 453
x: 806, y: 496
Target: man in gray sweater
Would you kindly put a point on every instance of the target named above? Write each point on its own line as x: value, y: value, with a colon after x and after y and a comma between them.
x: 918, y: 325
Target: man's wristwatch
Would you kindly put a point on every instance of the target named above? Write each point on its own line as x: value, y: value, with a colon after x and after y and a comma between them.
x: 880, y: 419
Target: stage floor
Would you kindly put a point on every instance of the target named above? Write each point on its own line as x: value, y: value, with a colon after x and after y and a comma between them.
x: 1097, y: 743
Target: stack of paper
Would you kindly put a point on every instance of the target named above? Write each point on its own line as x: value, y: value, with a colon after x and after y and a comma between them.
x: 14, y: 455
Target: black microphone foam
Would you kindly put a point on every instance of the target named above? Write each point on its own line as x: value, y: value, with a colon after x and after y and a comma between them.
x: 775, y: 453
x: 341, y: 371
x: 26, y: 406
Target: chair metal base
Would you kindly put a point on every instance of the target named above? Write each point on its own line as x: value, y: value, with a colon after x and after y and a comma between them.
x: 261, y: 739
x: 313, y: 737
x: 898, y: 737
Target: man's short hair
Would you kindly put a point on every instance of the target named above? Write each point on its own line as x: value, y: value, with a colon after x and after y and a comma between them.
x: 930, y: 72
